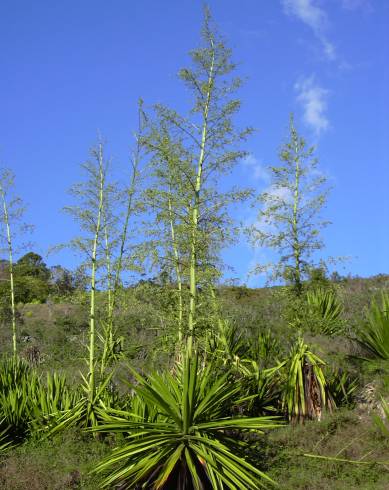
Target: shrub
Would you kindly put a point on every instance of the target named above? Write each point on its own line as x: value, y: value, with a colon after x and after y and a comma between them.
x: 180, y: 437
x: 304, y: 394
x: 374, y: 336
x: 326, y: 311
x: 27, y: 405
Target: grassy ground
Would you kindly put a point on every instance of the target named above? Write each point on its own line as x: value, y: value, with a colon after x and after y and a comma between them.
x: 342, y: 435
x: 66, y: 462
x: 62, y: 463
x: 59, y: 333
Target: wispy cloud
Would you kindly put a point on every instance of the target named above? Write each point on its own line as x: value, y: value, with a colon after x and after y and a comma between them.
x: 258, y: 266
x: 313, y: 99
x: 256, y: 167
x: 261, y: 223
x: 254, y: 278
x: 314, y: 17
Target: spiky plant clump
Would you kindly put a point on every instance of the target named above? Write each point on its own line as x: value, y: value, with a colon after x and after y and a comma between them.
x: 84, y: 413
x: 180, y: 436
x: 51, y: 400
x: 327, y: 310
x: 260, y: 387
x: 304, y: 391
x: 18, y: 387
x: 341, y: 388
x: 28, y: 405
x: 374, y: 336
x: 227, y: 345
x: 265, y: 349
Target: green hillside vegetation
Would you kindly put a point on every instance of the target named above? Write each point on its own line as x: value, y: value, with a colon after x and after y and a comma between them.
x: 52, y: 339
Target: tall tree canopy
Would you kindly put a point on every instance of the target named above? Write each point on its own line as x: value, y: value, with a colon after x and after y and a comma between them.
x: 290, y: 219
x: 190, y: 153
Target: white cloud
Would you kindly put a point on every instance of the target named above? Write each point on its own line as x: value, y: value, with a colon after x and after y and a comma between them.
x: 307, y: 11
x: 257, y: 168
x: 314, y: 101
x: 280, y: 194
x: 257, y: 267
x: 254, y: 278
x: 314, y: 17
x: 329, y: 49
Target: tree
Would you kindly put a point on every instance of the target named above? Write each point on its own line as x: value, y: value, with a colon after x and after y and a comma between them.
x: 11, y: 213
x: 32, y: 264
x: 90, y: 195
x: 30, y: 289
x: 290, y: 221
x: 62, y: 280
x: 207, y: 145
x: 121, y: 254
x: 30, y: 280
x: 121, y: 248
x: 104, y: 246
x: 168, y: 199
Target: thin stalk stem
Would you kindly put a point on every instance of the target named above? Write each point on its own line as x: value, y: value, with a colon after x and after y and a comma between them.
x: 196, y: 210
x: 113, y: 286
x: 129, y: 209
x: 119, y: 262
x: 91, y: 380
x: 11, y: 275
x: 108, y: 336
x: 296, y: 201
x: 108, y: 264
x: 177, y: 268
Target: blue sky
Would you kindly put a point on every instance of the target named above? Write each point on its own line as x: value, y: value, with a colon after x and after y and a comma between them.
x: 69, y: 69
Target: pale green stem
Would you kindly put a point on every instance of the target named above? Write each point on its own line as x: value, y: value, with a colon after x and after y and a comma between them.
x: 119, y: 263
x: 195, y: 212
x: 296, y: 199
x: 93, y: 279
x: 177, y: 268
x: 11, y: 275
x: 129, y: 210
x: 112, y: 292
x: 108, y: 328
x: 109, y: 270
